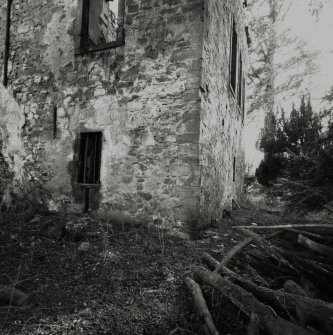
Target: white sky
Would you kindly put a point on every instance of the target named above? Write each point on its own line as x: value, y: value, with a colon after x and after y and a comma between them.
x: 114, y: 6
x: 319, y: 37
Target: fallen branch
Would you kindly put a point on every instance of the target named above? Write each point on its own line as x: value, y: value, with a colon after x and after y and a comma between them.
x: 320, y: 228
x: 314, y: 246
x: 319, y: 274
x: 291, y: 287
x: 238, y: 249
x: 246, y: 301
x: 306, y: 233
x: 200, y: 303
x: 12, y: 295
x: 211, y: 261
x: 265, y: 246
x: 254, y: 325
x: 265, y: 265
x: 233, y: 252
x: 306, y: 308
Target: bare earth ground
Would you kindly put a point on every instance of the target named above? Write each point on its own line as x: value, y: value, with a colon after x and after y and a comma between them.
x: 129, y: 281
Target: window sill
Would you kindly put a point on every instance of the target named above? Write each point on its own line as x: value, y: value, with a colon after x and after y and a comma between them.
x: 82, y: 185
x: 111, y: 45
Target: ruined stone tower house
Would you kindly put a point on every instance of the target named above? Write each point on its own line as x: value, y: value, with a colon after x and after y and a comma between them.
x: 132, y: 105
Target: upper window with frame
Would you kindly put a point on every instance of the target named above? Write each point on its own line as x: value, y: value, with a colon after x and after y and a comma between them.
x: 102, y: 25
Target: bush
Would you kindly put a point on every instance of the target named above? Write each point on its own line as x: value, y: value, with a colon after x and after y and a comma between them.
x: 270, y: 169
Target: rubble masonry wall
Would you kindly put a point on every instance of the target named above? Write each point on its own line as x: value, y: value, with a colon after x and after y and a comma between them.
x: 143, y: 96
x: 167, y: 149
x: 221, y: 119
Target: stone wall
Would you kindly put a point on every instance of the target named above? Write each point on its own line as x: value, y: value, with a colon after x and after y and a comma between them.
x: 11, y: 150
x: 143, y: 96
x: 221, y: 119
x: 168, y: 147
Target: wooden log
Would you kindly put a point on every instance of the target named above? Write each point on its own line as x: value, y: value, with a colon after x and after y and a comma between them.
x: 233, y: 252
x: 12, y: 295
x: 236, y: 250
x: 289, y: 244
x: 246, y: 301
x: 319, y: 228
x: 267, y: 266
x: 254, y: 325
x: 210, y: 261
x: 265, y: 246
x: 200, y: 303
x: 257, y: 278
x: 291, y: 287
x: 311, y: 268
x: 213, y: 264
x: 315, y: 246
x: 309, y: 234
x: 308, y: 310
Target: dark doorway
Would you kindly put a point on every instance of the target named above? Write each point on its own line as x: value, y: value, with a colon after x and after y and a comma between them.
x: 89, y: 163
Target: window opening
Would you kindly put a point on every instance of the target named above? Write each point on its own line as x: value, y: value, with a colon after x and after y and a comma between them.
x: 55, y: 121
x: 89, y: 164
x: 234, y: 170
x: 240, y: 82
x: 102, y: 24
x: 233, y: 57
x: 7, y: 44
x: 243, y: 99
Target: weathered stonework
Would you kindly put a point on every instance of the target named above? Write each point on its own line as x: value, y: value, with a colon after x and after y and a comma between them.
x: 167, y: 144
x: 221, y: 120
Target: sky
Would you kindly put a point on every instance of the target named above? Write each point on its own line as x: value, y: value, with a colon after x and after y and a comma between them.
x: 319, y: 36
x: 114, y: 6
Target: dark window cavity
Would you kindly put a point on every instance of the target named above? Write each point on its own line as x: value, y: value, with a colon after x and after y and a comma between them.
x: 240, y: 82
x: 102, y: 24
x: 7, y: 44
x: 55, y: 121
x: 234, y: 170
x: 233, y: 57
x: 243, y: 99
x: 89, y: 163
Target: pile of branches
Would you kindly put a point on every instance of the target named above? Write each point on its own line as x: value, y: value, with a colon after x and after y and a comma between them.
x: 281, y: 281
